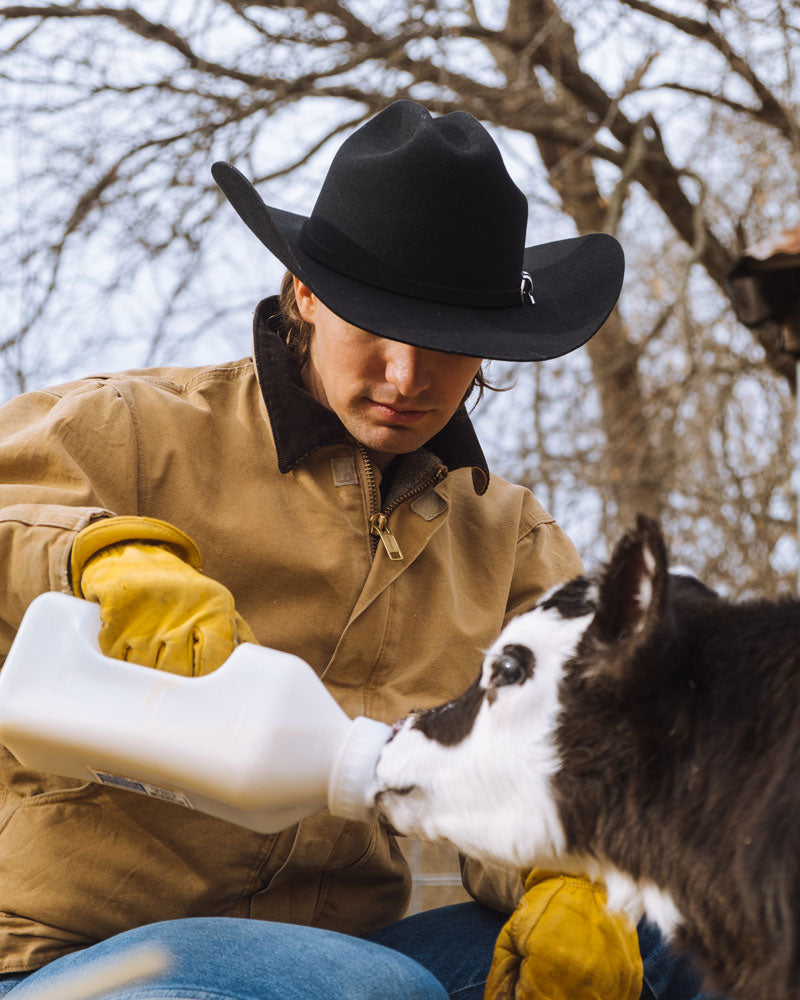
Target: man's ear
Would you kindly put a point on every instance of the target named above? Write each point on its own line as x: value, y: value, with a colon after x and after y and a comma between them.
x: 306, y: 301
x: 633, y: 591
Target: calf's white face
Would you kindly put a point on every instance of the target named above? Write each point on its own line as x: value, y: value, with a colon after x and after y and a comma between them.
x: 498, y: 771
x: 476, y: 771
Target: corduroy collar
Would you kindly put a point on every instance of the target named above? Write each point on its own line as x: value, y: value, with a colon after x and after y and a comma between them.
x: 301, y: 425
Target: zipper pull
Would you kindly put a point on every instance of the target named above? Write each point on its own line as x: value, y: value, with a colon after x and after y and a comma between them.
x: 379, y: 525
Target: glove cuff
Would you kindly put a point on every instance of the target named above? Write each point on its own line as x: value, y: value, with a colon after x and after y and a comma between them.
x: 117, y: 530
x: 538, y: 875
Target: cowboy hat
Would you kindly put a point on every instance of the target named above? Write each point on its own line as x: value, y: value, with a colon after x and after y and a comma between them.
x: 418, y: 234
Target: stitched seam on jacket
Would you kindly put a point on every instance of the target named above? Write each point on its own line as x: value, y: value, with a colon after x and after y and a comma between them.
x: 117, y: 379
x: 121, y: 378
x: 537, y: 523
x: 237, y: 370
x: 70, y: 518
x: 127, y: 400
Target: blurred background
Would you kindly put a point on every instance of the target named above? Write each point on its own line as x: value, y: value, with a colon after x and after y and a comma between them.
x: 673, y: 124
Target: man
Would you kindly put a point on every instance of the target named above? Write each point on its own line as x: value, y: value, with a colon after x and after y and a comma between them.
x: 344, y: 512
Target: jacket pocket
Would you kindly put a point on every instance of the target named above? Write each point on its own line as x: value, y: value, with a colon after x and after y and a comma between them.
x: 22, y: 789
x: 69, y: 793
x: 53, y: 796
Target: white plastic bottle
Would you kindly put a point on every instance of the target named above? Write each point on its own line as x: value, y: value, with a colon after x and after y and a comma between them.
x: 259, y: 742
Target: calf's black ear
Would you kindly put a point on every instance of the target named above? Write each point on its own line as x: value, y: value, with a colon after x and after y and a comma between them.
x: 632, y: 591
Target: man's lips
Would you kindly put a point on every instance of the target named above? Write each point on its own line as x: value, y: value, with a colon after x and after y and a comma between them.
x: 395, y: 415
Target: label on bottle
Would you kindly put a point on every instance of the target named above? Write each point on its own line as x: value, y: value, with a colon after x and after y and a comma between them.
x: 142, y: 787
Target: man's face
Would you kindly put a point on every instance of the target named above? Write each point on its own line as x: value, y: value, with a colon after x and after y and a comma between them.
x: 392, y: 397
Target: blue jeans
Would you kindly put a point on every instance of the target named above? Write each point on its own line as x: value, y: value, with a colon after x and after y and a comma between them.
x: 429, y: 956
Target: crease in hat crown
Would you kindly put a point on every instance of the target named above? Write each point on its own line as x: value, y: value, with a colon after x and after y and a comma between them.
x: 422, y: 206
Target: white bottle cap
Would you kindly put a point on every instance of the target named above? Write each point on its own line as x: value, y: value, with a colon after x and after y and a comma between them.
x: 353, y: 769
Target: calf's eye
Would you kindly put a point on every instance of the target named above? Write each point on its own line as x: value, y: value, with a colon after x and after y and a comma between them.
x: 513, y: 666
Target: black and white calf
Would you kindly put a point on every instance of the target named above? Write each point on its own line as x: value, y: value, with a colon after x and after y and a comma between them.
x: 636, y: 727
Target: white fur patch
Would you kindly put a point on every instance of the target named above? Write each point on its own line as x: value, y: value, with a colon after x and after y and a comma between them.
x: 643, y: 599
x: 645, y: 594
x: 636, y: 899
x: 661, y: 909
x: 490, y: 794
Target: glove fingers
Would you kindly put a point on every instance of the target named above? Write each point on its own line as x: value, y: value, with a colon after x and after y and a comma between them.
x: 157, y: 652
x: 116, y: 644
x: 209, y: 649
x: 192, y: 652
x: 159, y: 611
x: 177, y: 651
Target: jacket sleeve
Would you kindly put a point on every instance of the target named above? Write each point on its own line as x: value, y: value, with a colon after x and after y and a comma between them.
x: 545, y: 558
x: 67, y: 457
x: 500, y: 888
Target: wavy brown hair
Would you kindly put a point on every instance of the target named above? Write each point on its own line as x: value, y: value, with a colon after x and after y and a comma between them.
x: 298, y: 335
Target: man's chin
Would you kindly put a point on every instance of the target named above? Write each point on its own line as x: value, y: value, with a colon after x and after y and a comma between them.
x: 401, y: 443
x: 392, y: 440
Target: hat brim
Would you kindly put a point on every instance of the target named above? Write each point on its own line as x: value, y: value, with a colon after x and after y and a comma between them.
x: 576, y: 283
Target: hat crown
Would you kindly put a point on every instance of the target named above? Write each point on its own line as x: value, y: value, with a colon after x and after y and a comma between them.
x: 418, y: 236
x: 424, y: 205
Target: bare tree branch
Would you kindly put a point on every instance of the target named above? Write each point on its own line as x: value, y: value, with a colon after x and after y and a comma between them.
x: 771, y: 111
x: 111, y: 221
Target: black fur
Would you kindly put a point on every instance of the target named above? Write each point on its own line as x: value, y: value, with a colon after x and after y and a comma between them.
x: 572, y: 600
x: 680, y: 746
x: 452, y: 722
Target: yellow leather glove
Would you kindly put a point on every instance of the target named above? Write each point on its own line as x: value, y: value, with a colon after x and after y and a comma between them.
x: 561, y: 943
x: 156, y: 606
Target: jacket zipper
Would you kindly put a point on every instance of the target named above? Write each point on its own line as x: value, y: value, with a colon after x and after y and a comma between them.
x: 378, y: 522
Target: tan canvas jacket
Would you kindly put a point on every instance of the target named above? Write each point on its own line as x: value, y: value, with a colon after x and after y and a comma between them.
x: 278, y: 497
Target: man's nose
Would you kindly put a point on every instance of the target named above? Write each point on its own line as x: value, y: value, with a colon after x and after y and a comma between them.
x: 408, y: 368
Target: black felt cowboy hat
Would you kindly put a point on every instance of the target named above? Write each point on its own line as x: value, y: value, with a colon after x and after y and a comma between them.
x: 418, y: 234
